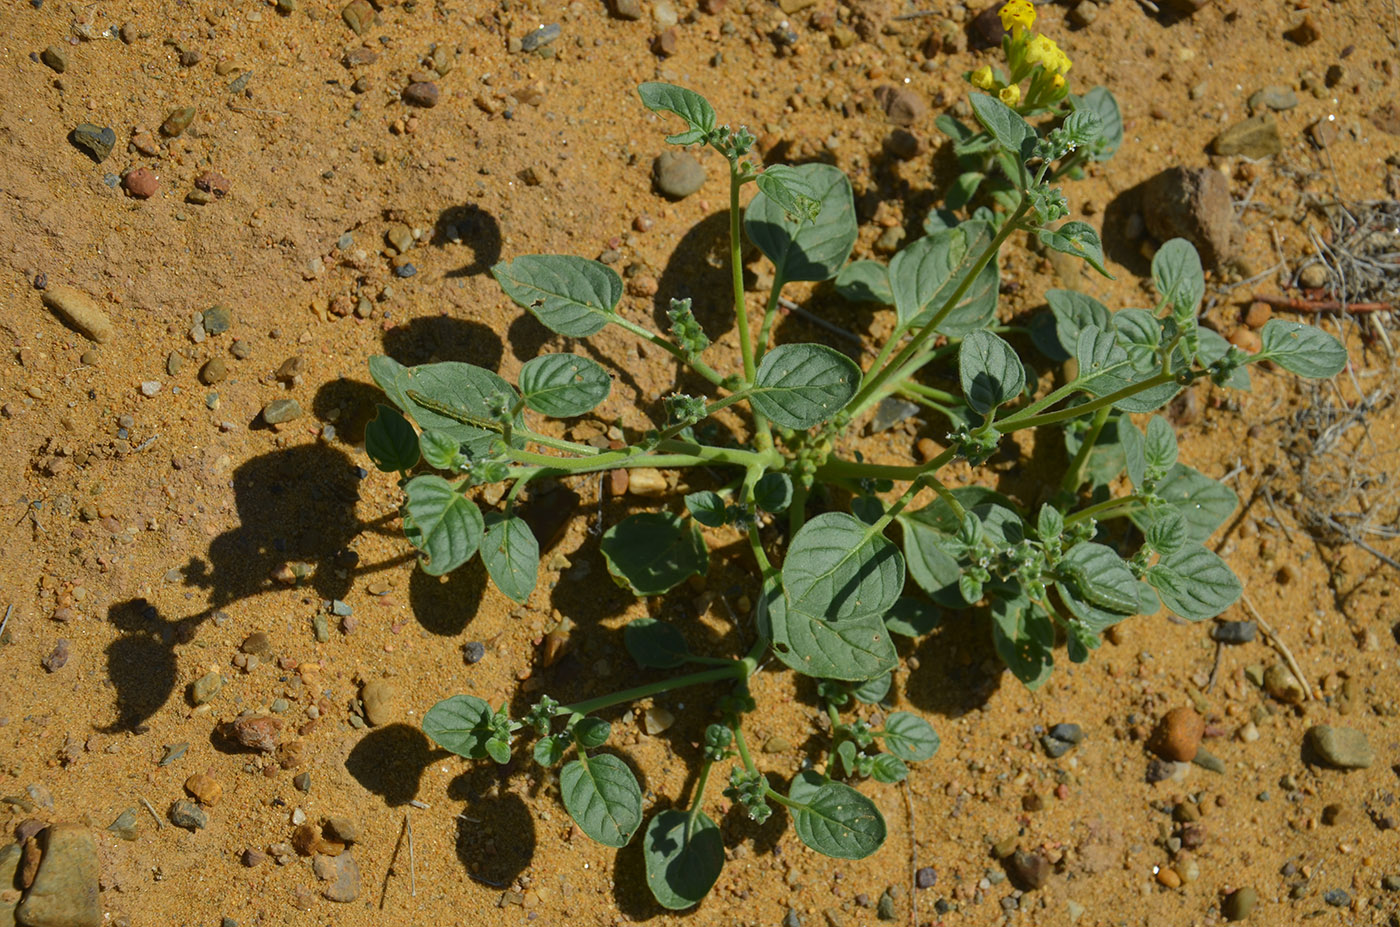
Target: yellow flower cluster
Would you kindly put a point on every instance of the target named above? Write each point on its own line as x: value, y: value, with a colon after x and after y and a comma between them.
x: 982, y: 78
x: 1043, y: 51
x: 1017, y: 14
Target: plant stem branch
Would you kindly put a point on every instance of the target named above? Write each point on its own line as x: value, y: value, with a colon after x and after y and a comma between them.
x: 1074, y: 475
x: 1022, y: 420
x: 1109, y: 508
x: 736, y: 266
x: 696, y: 364
x: 737, y: 669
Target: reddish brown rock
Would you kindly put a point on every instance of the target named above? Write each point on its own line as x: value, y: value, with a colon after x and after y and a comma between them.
x: 211, y: 182
x: 256, y: 732
x: 1178, y: 735
x: 141, y: 183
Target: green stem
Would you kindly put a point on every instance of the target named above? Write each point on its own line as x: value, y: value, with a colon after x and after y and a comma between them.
x: 1022, y: 420
x: 1074, y: 475
x: 678, y: 454
x: 1108, y: 508
x: 737, y: 669
x: 559, y: 444
x: 769, y: 316
x: 696, y: 802
x: 797, y: 509
x: 744, y: 755
x: 736, y: 265
x: 930, y: 330
x: 928, y: 392
x: 696, y: 364
x: 837, y: 469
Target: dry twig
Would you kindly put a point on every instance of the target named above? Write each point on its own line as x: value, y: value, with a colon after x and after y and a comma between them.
x: 1321, y: 305
x: 1279, y: 645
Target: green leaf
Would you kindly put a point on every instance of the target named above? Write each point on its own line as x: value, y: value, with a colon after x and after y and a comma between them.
x: 910, y: 737
x: 511, y: 555
x: 1091, y: 618
x: 1177, y: 275
x: 441, y: 522
x: 653, y: 552
x: 805, y: 784
x: 1077, y: 239
x: 851, y: 651
x: 1013, y: 133
x: 1168, y: 533
x: 1134, y: 453
x: 932, y: 553
x: 874, y: 689
x: 1106, y: 458
x: 925, y: 275
x: 1204, y: 502
x: 707, y: 508
x: 498, y: 750
x: 592, y: 732
x: 990, y: 371
x: 865, y: 282
x: 773, y: 492
x: 563, y: 385
x: 813, y: 250
x: 455, y: 399
x: 788, y: 189
x: 1195, y: 583
x: 1101, y: 576
x: 390, y: 441
x: 684, y: 855
x: 839, y: 822
x: 911, y: 617
x: 964, y: 188
x: 568, y: 294
x: 1305, y: 350
x: 1074, y: 312
x: 461, y: 724
x: 1160, y: 448
x: 697, y: 112
x: 802, y: 385
x: 839, y: 568
x: 889, y: 769
x: 602, y: 796
x: 1100, y: 101
x: 1023, y: 636
x: 549, y: 750
x: 1049, y: 522
x: 441, y: 451
x: 1104, y: 367
x: 655, y: 644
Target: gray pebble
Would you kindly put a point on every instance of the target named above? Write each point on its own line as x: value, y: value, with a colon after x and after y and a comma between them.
x: 540, y: 37
x: 1068, y: 732
x: 188, y: 815
x: 1341, y: 747
x: 217, y: 320
x: 240, y: 349
x: 791, y: 919
x: 1275, y: 98
x: 677, y: 174
x: 206, y: 687
x: 473, y: 651
x: 406, y: 270
x: 281, y: 410
x: 1337, y: 898
x: 926, y: 877
x: 124, y: 826
x: 1233, y: 632
x: 343, y: 874
x: 54, y: 57
x: 177, y: 122
x: 97, y: 141
x: 149, y: 388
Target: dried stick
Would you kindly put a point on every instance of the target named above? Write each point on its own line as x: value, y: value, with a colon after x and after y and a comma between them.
x: 151, y: 808
x: 913, y: 860
x: 1215, y: 670
x: 1321, y: 305
x: 1280, y: 646
x: 6, y: 622
x: 412, y: 874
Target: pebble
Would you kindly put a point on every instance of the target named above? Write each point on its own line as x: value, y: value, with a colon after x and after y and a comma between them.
x: 421, y: 93
x: 124, y: 827
x: 217, y: 320
x: 540, y: 37
x: 1255, y: 137
x: 926, y: 877
x: 677, y: 174
x: 97, y: 141
x: 256, y: 643
x: 188, y: 815
x: 149, y: 388
x: 1306, y: 32
x: 54, y: 57
x: 381, y: 702
x: 646, y: 481
x: 1239, y: 903
x: 1178, y: 735
x: 341, y: 829
x: 177, y: 122
x: 405, y: 270
x: 358, y: 15
x: 76, y: 309
x: 1280, y: 682
x: 1341, y: 747
x: 473, y: 651
x: 204, y: 789
x: 206, y: 687
x: 1195, y: 204
x: 1234, y: 632
x: 281, y: 410
x: 257, y: 732
x: 1028, y: 871
x: 215, y: 370
x: 57, y: 658
x: 343, y: 874
x: 627, y: 10
x: 902, y: 106
x: 1337, y: 898
x: 213, y: 182
x: 1084, y: 13
x: 65, y: 890
x: 1275, y: 98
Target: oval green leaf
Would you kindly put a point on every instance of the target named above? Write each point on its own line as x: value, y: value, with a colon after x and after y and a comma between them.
x: 390, y: 441
x: 441, y: 522
x: 910, y: 737
x: 813, y: 250
x: 563, y: 385
x: 511, y: 554
x: 653, y: 552
x: 1195, y: 583
x: 850, y: 651
x: 840, y: 822
x: 1178, y: 276
x: 697, y: 112
x: 865, y: 282
x: 911, y: 617
x: 839, y: 568
x: 655, y: 644
x: 568, y: 294
x: 1305, y: 350
x: 990, y: 371
x: 684, y: 855
x: 453, y: 398
x: 773, y: 492
x: 461, y: 724
x: 802, y: 385
x: 1078, y: 239
x: 925, y: 275
x: 602, y: 796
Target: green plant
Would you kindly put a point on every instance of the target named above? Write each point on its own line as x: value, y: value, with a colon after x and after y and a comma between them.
x: 1064, y: 565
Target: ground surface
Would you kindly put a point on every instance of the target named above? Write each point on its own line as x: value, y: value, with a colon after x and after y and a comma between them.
x: 147, y: 531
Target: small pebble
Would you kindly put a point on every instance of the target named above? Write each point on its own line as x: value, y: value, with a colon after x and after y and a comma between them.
x: 421, y: 93
x: 281, y: 410
x: 1233, y: 632
x: 473, y: 651
x: 1239, y: 903
x: 188, y: 815
x: 1178, y: 735
x: 1341, y: 747
x: 54, y: 57
x: 97, y: 141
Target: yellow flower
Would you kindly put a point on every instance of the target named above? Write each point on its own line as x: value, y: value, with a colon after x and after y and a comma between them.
x: 1011, y: 95
x: 982, y: 77
x: 1047, y: 54
x: 1017, y: 14
x: 1058, y: 83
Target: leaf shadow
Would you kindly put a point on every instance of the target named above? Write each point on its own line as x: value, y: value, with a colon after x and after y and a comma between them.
x: 445, y: 605
x: 389, y: 761
x: 495, y: 838
x: 474, y: 227
x: 959, y: 669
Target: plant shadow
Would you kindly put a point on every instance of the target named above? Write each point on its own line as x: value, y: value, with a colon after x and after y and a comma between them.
x: 389, y: 761
x: 445, y: 605
x: 141, y: 662
x: 495, y: 839
x: 474, y: 227
x: 429, y: 339
x: 959, y: 669
x: 1118, y: 246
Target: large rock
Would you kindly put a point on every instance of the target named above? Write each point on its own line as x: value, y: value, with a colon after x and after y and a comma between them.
x: 65, y: 892
x: 1255, y: 137
x: 1341, y: 747
x: 1192, y: 203
x: 677, y: 174
x: 80, y: 312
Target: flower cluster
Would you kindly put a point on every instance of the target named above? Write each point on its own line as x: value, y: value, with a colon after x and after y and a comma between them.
x: 1028, y: 55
